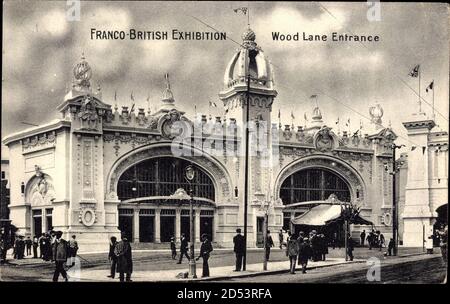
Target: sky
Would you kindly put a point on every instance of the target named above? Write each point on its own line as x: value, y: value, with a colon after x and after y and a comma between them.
x: 40, y: 48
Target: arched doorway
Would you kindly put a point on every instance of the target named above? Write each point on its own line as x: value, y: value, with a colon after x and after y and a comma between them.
x: 441, y: 222
x: 148, y: 213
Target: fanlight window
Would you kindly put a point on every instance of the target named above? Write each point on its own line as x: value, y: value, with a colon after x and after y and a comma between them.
x: 162, y: 177
x: 312, y: 185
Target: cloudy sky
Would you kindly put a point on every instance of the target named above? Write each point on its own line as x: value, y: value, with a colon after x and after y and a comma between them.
x: 40, y: 48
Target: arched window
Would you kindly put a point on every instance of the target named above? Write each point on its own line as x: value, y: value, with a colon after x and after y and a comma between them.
x: 313, y: 185
x: 162, y: 177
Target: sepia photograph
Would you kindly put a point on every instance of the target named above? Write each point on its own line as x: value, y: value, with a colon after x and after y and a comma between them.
x: 224, y: 142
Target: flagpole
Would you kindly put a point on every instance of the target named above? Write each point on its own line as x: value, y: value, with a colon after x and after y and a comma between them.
x: 420, y: 102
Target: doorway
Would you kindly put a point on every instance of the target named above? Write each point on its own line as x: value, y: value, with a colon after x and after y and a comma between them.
x: 206, y: 226
x: 126, y: 226
x: 259, y: 231
x: 146, y: 229
x: 37, y: 222
x: 167, y: 228
x: 185, y: 227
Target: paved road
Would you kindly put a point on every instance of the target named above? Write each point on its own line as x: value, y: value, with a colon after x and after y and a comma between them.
x: 148, y: 261
x: 411, y: 270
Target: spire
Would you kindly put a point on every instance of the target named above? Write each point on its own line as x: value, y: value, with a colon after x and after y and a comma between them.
x: 167, y: 94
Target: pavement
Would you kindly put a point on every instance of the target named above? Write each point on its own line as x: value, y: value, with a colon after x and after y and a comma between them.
x: 154, y: 265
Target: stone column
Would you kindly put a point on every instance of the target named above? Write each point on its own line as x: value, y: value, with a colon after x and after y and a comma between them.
x: 136, y: 226
x: 44, y: 220
x: 197, y: 224
x: 177, y: 225
x: 157, y: 225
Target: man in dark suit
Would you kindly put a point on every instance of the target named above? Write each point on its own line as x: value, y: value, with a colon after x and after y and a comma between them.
x: 60, y: 254
x: 205, y: 250
x: 124, y: 259
x: 183, y: 248
x: 112, y: 257
x: 269, y: 244
x: 239, y: 248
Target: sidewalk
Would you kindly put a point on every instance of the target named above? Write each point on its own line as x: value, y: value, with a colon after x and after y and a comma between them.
x: 217, y: 273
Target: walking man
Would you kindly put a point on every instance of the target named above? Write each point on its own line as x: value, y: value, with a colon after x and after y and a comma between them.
x: 350, y: 247
x: 292, y: 252
x: 205, y: 250
x: 35, y: 246
x: 73, y: 249
x: 60, y: 253
x: 304, y: 254
x: 112, y: 257
x: 124, y: 259
x: 280, y: 238
x: 390, y: 246
x: 269, y: 244
x: 183, y: 248
x: 28, y: 243
x: 239, y: 248
x: 173, y: 248
x: 362, y: 236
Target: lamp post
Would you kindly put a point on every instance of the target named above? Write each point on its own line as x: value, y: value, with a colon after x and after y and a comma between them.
x: 181, y: 194
x: 190, y: 175
x: 395, y: 169
x: 265, y: 205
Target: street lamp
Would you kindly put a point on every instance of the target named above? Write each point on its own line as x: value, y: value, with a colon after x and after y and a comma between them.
x: 349, y: 212
x: 181, y: 194
x: 190, y: 175
x: 395, y: 168
x: 265, y: 205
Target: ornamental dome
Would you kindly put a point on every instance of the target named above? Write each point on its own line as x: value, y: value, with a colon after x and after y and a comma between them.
x: 82, y: 73
x: 376, y: 113
x: 249, y: 59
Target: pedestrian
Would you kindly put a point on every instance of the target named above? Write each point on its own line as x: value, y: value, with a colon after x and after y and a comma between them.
x: 370, y: 238
x: 301, y: 236
x: 124, y: 259
x: 315, y: 246
x: 292, y: 252
x: 205, y: 251
x: 60, y: 254
x: 362, y: 236
x: 444, y: 248
x: 173, y: 248
x: 183, y: 248
x: 391, y: 246
x: 19, y: 248
x: 269, y: 244
x: 112, y: 257
x: 280, y: 238
x: 304, y: 254
x: 48, y: 255
x: 381, y: 240
x: 350, y: 247
x: 323, y: 247
x: 28, y: 244
x: 73, y: 249
x: 41, y: 245
x: 35, y: 246
x: 239, y: 248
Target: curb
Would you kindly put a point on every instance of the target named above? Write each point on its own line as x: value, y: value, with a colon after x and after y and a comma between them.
x: 268, y: 272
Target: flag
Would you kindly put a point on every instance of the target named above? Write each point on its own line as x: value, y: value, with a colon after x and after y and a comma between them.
x: 241, y: 9
x: 423, y: 150
x: 148, y: 98
x: 348, y: 122
x: 360, y: 124
x: 430, y: 86
x: 226, y: 111
x: 292, y: 115
x: 212, y: 104
x: 306, y: 118
x: 313, y: 96
x: 132, y: 108
x: 413, y: 148
x: 415, y: 71
x: 356, y: 133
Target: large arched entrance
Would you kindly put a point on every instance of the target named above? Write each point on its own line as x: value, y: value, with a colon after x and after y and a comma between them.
x: 145, y: 191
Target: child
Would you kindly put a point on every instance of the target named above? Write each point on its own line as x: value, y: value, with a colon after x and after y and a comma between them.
x: 173, y: 248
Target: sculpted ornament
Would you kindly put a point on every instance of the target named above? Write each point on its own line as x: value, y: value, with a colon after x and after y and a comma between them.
x: 323, y: 139
x: 88, y: 114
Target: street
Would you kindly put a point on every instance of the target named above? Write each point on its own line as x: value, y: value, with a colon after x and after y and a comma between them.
x: 410, y: 267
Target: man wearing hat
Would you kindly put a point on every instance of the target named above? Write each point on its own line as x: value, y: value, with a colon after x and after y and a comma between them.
x: 239, y: 248
x: 60, y: 254
x: 124, y: 259
x: 205, y: 250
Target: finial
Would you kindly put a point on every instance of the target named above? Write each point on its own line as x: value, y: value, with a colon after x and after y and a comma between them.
x: 167, y: 81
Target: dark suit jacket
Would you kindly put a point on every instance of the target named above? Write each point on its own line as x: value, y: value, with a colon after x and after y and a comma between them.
x: 239, y: 245
x: 205, y: 249
x: 184, y: 245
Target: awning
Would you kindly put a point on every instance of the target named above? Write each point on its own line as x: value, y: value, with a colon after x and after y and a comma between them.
x: 326, y: 214
x: 318, y: 216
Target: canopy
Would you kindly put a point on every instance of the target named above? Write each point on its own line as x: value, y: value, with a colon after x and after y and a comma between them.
x: 325, y: 214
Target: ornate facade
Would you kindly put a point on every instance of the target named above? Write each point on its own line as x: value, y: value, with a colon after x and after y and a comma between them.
x: 98, y: 168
